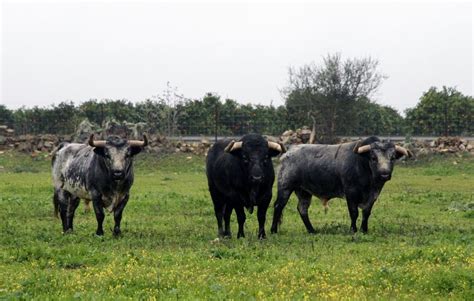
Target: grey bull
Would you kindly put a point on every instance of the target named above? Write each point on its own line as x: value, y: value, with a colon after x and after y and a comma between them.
x: 356, y: 171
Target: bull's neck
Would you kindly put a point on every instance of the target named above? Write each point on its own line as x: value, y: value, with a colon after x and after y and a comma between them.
x: 364, y: 166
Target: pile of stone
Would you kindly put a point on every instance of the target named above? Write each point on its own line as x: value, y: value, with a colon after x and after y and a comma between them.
x: 452, y: 145
x: 84, y: 130
x: 6, y: 135
x: 300, y: 136
x: 444, y: 145
x: 38, y: 143
x: 197, y: 148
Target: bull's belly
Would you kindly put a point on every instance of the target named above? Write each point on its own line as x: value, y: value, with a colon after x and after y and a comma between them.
x: 108, y: 202
x: 323, y: 194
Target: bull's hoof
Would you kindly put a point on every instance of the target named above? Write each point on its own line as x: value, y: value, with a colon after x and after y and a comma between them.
x: 117, y: 232
x: 239, y: 235
x: 262, y: 236
x: 273, y: 230
x: 99, y: 233
x: 311, y: 231
x: 68, y: 231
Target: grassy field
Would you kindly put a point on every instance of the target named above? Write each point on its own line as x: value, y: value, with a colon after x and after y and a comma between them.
x: 420, y: 244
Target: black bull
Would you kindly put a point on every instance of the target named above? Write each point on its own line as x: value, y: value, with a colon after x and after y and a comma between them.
x: 240, y: 174
x: 101, y: 172
x: 356, y: 171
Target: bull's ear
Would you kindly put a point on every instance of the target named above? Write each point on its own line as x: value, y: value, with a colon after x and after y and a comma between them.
x: 99, y: 151
x: 135, y: 150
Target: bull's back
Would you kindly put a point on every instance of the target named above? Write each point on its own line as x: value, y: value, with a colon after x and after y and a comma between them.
x: 316, y: 169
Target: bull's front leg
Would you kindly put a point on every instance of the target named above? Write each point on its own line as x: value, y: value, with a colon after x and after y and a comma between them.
x: 118, y: 214
x: 99, y: 213
x: 354, y: 213
x: 239, y: 210
x: 262, y: 214
x: 365, y: 218
x: 227, y: 213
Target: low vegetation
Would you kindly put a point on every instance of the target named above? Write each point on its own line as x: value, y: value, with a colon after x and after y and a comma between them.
x: 420, y: 244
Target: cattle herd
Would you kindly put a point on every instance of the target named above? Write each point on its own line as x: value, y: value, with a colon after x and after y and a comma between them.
x: 240, y: 176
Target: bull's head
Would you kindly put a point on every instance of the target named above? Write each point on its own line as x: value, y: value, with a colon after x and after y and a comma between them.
x: 255, y: 153
x: 117, y: 153
x: 381, y: 156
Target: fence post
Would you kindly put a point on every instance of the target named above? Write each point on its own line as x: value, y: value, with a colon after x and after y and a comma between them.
x: 216, y: 120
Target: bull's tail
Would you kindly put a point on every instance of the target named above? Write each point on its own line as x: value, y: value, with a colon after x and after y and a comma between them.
x: 56, y: 203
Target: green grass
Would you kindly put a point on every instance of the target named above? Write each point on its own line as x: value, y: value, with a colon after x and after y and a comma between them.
x: 420, y: 244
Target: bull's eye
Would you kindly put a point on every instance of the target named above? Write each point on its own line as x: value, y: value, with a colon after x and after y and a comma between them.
x: 374, y: 157
x: 245, y: 159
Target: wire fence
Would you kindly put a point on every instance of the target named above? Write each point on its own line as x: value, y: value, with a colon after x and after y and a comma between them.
x: 230, y: 120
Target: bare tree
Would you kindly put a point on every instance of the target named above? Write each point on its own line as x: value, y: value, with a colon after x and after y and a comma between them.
x: 171, y: 101
x: 330, y: 90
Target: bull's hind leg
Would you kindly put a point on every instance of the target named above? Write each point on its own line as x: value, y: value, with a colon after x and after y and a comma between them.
x: 118, y: 215
x: 304, y: 201
x: 280, y: 203
x: 219, y: 208
x: 61, y: 202
x: 71, y: 209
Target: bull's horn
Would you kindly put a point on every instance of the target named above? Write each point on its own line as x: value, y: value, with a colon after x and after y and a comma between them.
x: 232, y: 146
x: 403, y: 151
x: 96, y: 143
x: 138, y: 142
x: 277, y: 146
x: 361, y: 149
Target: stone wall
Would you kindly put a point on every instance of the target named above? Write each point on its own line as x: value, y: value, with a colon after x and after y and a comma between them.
x: 35, y: 144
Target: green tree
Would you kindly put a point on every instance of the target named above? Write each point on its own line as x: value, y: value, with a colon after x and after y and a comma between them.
x: 6, y: 116
x: 444, y: 112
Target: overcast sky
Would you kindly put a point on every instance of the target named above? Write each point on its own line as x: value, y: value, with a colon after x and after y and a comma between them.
x: 53, y: 52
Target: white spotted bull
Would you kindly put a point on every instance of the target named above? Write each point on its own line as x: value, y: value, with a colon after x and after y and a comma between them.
x: 101, y: 172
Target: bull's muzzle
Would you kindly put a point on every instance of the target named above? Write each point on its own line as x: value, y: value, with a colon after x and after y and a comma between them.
x: 118, y: 175
x: 256, y: 179
x: 385, y: 176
